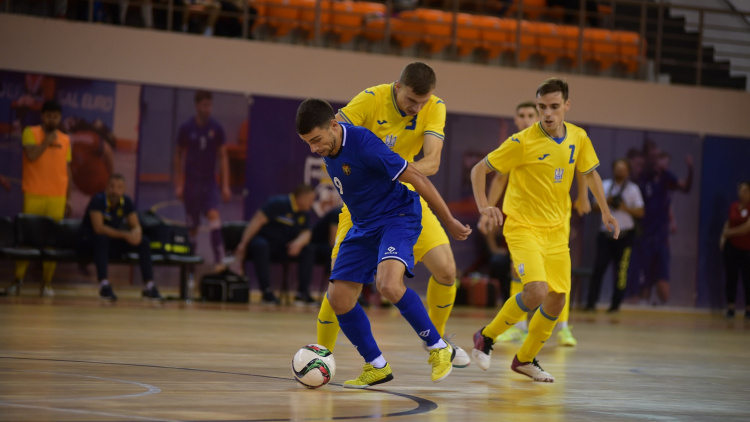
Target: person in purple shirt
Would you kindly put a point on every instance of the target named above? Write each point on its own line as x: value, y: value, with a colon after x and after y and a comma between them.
x: 200, y: 144
x: 657, y: 184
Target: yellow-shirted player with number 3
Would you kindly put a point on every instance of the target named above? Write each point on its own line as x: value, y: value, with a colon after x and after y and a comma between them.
x: 408, y: 118
x: 542, y: 161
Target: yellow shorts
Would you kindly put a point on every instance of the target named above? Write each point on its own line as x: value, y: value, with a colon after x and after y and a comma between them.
x: 432, y: 236
x: 540, y: 254
x: 48, y: 206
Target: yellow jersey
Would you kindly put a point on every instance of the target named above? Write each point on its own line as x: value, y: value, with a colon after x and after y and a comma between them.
x: 375, y: 108
x: 542, y: 171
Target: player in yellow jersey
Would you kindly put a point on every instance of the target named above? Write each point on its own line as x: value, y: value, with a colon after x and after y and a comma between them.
x: 527, y: 115
x: 541, y: 161
x: 408, y: 118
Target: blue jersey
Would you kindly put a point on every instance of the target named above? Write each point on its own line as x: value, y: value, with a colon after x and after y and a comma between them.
x: 365, y: 172
x: 202, y: 145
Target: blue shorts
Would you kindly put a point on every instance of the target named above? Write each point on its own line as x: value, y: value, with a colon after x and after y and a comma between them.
x: 364, y: 248
x: 199, y: 199
x: 655, y: 256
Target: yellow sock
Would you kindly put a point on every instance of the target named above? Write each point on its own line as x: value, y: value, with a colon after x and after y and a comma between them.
x: 540, y: 329
x: 565, y: 314
x: 48, y: 271
x: 328, y: 325
x: 440, y: 300
x: 513, y: 311
x: 21, y: 267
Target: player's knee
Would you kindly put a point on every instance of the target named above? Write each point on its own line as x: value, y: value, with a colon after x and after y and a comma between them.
x: 446, y: 274
x: 534, y: 293
x: 390, y: 289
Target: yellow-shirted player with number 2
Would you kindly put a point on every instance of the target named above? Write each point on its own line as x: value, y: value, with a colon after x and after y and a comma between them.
x: 542, y: 161
x: 408, y: 118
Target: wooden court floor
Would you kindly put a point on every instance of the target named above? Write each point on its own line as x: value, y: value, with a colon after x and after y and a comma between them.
x: 75, y: 359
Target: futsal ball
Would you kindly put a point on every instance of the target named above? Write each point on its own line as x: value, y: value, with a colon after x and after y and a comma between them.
x: 313, y: 366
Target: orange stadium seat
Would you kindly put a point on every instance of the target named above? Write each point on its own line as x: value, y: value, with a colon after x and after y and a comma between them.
x: 435, y: 28
x: 407, y: 29
x: 468, y: 35
x: 497, y: 35
x: 262, y: 8
x: 307, y: 17
x: 628, y: 49
x: 283, y: 15
x: 569, y: 35
x: 346, y: 22
x: 598, y: 45
x: 547, y: 41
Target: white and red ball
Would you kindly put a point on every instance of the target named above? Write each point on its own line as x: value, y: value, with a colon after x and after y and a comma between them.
x: 313, y: 366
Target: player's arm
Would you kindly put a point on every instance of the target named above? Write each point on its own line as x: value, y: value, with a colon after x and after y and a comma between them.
x: 427, y: 190
x: 30, y: 147
x: 295, y: 246
x: 135, y: 234
x: 497, y: 187
x: 226, y: 193
x: 97, y: 223
x: 740, y: 230
x: 492, y: 213
x: 685, y: 184
x: 594, y: 182
x: 430, y: 163
x: 253, y: 227
x: 179, y: 170
x: 582, y: 203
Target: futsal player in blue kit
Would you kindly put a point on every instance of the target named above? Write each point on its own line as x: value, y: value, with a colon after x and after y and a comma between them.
x: 386, y: 220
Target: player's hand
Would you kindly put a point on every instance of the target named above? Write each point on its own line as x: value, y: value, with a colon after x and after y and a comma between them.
x: 483, y: 224
x: 133, y: 237
x: 583, y: 205
x: 50, y: 137
x: 178, y: 191
x: 226, y: 194
x: 494, y: 217
x: 611, y: 224
x: 458, y: 230
x: 293, y: 248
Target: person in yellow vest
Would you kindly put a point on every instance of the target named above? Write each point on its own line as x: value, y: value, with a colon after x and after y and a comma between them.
x: 45, y: 181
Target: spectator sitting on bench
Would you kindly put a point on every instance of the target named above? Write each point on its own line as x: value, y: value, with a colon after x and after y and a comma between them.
x: 279, y: 231
x: 110, y: 229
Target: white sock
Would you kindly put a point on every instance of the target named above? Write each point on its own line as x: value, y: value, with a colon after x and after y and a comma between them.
x: 379, y: 362
x: 439, y: 345
x: 149, y: 285
x: 104, y: 282
x: 523, y: 325
x: 562, y: 325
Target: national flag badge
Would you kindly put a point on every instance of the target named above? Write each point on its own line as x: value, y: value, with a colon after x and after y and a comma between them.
x: 347, y: 169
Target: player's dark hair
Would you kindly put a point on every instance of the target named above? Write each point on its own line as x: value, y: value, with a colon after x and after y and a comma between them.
x: 51, y: 105
x: 419, y: 77
x: 621, y: 160
x: 302, y: 189
x: 527, y: 104
x: 313, y: 113
x: 552, y: 85
x: 116, y: 176
x: 201, y: 95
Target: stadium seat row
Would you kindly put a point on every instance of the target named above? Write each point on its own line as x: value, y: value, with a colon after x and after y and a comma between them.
x: 348, y: 19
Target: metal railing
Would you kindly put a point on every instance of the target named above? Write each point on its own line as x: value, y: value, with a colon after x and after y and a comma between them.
x: 623, y: 38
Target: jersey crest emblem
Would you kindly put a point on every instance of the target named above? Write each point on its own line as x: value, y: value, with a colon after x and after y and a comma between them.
x: 558, y: 175
x: 347, y: 169
x: 390, y: 141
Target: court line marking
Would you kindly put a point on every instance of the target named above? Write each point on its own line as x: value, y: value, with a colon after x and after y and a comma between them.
x: 423, y: 405
x: 86, y: 412
x: 151, y: 389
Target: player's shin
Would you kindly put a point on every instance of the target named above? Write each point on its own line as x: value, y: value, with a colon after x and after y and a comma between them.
x: 540, y: 329
x: 328, y: 325
x: 356, y: 327
x: 413, y: 311
x: 512, y: 311
x: 440, y: 299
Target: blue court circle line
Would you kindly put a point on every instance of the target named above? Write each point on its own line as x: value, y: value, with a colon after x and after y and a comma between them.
x: 423, y: 405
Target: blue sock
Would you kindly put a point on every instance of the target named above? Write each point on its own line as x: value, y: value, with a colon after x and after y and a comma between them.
x: 413, y: 310
x: 356, y: 326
